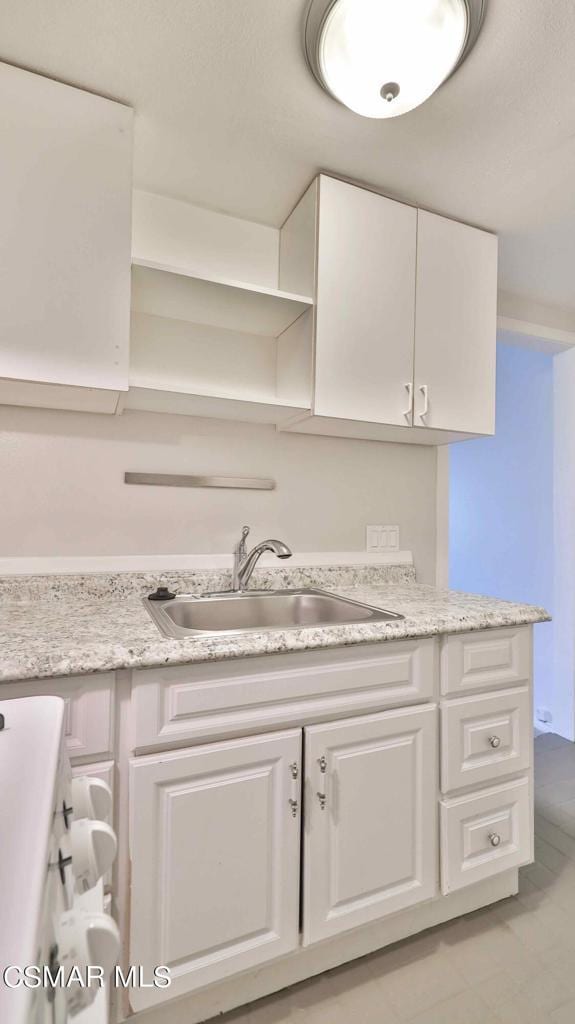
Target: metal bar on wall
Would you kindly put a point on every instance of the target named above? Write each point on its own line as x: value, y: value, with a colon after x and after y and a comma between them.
x: 181, y: 480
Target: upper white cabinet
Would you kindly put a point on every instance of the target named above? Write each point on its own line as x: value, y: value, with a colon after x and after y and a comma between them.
x: 456, y: 299
x: 365, y: 305
x: 214, y: 846
x: 65, y: 200
x: 371, y: 835
x: 404, y: 333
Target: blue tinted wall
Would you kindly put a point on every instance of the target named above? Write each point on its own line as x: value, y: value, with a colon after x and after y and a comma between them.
x: 501, y: 500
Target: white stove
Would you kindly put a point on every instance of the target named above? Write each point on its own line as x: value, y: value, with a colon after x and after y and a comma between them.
x: 53, y: 853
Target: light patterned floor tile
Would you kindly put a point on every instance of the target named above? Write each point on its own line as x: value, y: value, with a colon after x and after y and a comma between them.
x: 466, y: 1008
x: 564, y: 1015
x: 418, y: 986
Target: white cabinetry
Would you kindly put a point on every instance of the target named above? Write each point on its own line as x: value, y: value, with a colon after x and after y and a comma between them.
x: 65, y: 188
x: 214, y: 846
x: 371, y: 832
x: 405, y: 319
x: 455, y: 326
x: 365, y: 305
x: 298, y: 823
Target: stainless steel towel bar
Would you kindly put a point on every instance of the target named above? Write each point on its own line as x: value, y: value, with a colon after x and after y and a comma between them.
x: 250, y: 483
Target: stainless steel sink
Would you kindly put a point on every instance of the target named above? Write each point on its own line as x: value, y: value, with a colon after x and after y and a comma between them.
x: 253, y: 611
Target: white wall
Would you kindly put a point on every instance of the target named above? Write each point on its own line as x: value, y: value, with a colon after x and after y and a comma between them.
x: 63, y: 491
x: 501, y: 506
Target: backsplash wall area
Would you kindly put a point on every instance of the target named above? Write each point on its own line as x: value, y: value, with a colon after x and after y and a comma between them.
x: 64, y: 491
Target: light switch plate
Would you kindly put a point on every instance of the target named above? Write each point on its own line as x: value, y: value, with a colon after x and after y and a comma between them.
x: 382, y: 538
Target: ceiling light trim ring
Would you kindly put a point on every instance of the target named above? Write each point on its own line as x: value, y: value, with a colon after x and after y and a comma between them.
x: 317, y: 14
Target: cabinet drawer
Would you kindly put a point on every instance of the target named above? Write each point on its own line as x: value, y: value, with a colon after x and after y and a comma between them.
x: 485, y: 833
x: 177, y: 705
x: 485, y: 738
x: 89, y: 710
x: 488, y: 659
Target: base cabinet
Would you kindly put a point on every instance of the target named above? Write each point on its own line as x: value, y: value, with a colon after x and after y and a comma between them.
x: 371, y: 835
x: 259, y: 860
x: 214, y: 847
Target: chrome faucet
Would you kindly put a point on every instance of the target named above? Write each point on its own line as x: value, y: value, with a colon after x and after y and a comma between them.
x: 245, y: 562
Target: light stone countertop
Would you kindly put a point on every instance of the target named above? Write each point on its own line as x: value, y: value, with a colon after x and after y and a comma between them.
x: 69, y: 625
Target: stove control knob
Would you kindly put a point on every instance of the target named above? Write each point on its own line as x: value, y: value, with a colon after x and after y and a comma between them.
x: 89, y: 947
x: 91, y: 798
x: 93, y: 847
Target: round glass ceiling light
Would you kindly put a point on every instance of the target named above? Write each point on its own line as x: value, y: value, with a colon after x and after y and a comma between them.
x: 382, y: 58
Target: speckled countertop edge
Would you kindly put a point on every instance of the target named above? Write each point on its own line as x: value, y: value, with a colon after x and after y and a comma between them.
x: 86, y: 625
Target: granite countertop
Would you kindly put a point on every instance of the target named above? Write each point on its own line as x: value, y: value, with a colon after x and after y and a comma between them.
x: 68, y: 625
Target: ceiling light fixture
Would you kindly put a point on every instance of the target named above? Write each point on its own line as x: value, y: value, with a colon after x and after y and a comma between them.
x: 382, y: 58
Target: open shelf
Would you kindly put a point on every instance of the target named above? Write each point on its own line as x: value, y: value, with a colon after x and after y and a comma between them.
x: 194, y: 369
x: 180, y: 294
x: 168, y: 399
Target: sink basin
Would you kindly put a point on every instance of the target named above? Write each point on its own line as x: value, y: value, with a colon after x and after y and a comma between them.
x: 253, y: 611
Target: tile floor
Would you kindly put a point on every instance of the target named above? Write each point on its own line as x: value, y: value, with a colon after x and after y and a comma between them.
x: 512, y: 963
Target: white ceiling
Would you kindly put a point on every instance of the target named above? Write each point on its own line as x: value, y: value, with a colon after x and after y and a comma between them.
x: 229, y: 117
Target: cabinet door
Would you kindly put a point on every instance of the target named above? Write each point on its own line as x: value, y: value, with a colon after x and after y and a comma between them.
x: 371, y: 818
x: 365, y: 305
x: 65, y: 205
x: 214, y: 844
x: 455, y: 326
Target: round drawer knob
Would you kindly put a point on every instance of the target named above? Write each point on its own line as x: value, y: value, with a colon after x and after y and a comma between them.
x: 494, y: 742
x: 494, y: 838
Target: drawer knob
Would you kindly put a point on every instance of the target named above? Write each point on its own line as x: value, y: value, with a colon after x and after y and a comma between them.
x: 494, y: 742
x: 494, y: 838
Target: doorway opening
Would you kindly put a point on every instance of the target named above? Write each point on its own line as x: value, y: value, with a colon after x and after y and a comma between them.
x: 512, y: 512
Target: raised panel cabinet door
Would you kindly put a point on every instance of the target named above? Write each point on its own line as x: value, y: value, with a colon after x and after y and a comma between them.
x: 65, y: 210
x: 215, y: 854
x: 365, y: 305
x: 455, y: 326
x: 371, y: 818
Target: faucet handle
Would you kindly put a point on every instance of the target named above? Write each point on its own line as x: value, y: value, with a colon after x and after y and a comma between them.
x: 241, y: 545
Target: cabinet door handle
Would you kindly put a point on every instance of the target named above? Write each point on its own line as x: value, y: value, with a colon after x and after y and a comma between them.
x: 322, y: 794
x: 409, y: 389
x: 293, y: 800
x: 425, y: 392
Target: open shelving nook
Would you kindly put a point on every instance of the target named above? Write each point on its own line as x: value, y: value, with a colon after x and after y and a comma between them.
x: 206, y: 343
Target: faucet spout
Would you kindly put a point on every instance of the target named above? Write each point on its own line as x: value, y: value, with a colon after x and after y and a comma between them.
x: 248, y: 564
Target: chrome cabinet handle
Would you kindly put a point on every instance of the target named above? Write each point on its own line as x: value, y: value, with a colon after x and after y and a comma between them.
x: 409, y: 389
x: 322, y: 795
x: 494, y: 838
x: 494, y: 741
x: 425, y: 392
x: 293, y: 800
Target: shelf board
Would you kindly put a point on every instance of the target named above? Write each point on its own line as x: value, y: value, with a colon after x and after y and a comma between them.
x: 251, y: 409
x: 181, y: 294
